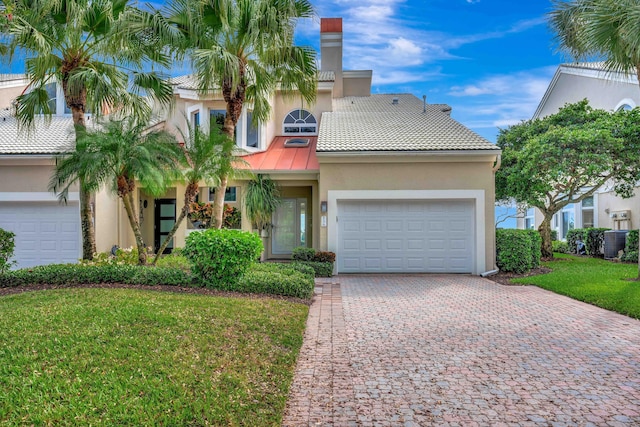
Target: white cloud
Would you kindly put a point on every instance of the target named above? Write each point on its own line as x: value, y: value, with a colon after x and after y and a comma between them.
x: 503, y: 100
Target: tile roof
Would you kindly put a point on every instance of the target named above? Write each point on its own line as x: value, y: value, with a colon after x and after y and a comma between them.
x: 375, y: 123
x: 45, y: 137
x: 281, y: 158
x: 190, y: 82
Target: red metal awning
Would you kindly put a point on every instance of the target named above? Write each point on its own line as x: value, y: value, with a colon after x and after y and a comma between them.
x: 281, y: 158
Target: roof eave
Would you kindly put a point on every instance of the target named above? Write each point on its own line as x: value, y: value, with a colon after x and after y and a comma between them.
x: 479, y: 152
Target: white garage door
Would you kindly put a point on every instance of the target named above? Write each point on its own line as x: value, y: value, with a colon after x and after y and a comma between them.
x: 46, y: 232
x: 405, y: 236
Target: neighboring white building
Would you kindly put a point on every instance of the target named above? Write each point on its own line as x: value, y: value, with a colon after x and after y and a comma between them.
x: 605, y: 90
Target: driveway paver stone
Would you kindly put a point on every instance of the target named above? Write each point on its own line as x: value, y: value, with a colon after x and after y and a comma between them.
x: 456, y: 350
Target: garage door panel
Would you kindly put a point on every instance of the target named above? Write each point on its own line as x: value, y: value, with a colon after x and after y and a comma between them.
x: 412, y: 236
x: 46, y: 232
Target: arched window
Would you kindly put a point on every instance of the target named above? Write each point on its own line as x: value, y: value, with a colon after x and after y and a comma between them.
x: 300, y: 122
x: 626, y: 104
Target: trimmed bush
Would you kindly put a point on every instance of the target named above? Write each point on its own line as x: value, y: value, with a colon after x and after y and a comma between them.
x: 515, y: 250
x: 321, y: 269
x: 77, y: 274
x: 174, y: 261
x: 323, y: 256
x: 7, y: 246
x: 536, y: 247
x: 220, y: 257
x: 302, y: 253
x: 631, y: 247
x: 560, y: 246
x: 275, y: 279
x: 595, y: 241
x: 572, y: 239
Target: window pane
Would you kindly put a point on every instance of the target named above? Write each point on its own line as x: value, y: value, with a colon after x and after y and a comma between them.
x: 166, y: 225
x: 217, y: 117
x: 167, y: 210
x: 229, y: 194
x: 252, y: 131
x: 568, y: 223
x: 291, y: 129
x: 587, y: 202
x: 587, y: 218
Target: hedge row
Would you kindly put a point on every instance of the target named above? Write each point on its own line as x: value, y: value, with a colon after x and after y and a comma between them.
x: 518, y: 250
x: 593, y: 239
x: 277, y: 279
x: 77, y: 274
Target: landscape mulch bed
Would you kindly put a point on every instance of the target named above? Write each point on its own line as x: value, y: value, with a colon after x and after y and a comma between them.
x: 504, y: 278
x: 159, y: 288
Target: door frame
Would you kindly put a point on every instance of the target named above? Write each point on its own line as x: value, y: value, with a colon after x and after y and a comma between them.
x: 157, y: 235
x: 297, y: 226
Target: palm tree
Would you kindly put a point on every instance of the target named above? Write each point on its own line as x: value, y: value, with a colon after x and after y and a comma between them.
x: 244, y: 48
x: 117, y: 155
x: 96, y: 50
x: 207, y: 156
x: 600, y: 29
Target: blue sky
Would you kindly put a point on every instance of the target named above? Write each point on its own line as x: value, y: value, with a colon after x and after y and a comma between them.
x: 491, y: 60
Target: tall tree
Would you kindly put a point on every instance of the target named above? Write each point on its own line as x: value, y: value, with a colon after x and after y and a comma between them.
x: 245, y: 50
x: 606, y: 30
x: 119, y: 154
x: 206, y: 156
x: 96, y: 50
x: 563, y: 158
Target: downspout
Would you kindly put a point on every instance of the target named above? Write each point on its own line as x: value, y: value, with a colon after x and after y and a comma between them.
x: 498, y: 163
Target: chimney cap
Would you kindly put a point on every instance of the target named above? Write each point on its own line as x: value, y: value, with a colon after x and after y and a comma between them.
x: 330, y: 25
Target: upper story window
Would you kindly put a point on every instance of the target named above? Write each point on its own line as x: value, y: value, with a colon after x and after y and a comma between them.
x: 530, y: 219
x: 300, y: 122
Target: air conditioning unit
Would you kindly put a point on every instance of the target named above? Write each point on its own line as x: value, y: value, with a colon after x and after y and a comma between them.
x: 614, y: 242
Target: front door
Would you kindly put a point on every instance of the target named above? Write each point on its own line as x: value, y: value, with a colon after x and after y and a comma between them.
x: 289, y: 226
x: 165, y: 218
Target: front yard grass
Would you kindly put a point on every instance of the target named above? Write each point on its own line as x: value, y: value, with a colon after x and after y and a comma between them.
x: 596, y: 281
x: 85, y: 356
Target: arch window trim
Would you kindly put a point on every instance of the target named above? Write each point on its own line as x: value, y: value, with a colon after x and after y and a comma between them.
x: 625, y: 104
x: 300, y: 122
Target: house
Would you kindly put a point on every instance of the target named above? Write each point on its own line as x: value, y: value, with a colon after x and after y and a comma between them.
x: 605, y: 90
x: 387, y: 182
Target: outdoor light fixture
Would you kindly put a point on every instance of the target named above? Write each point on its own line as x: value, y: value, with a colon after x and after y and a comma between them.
x: 323, y: 207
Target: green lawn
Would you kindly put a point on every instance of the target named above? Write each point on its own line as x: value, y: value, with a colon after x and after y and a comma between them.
x: 131, y: 357
x: 596, y: 281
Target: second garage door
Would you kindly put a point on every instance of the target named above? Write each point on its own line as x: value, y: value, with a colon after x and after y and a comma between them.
x: 405, y: 236
x: 46, y: 232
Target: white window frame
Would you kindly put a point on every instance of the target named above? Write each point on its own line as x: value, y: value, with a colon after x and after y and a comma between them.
x: 242, y: 132
x: 299, y: 123
x: 530, y: 215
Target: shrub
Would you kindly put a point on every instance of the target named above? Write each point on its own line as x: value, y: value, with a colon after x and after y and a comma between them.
x: 127, y: 256
x: 321, y: 269
x: 554, y: 235
x: 595, y: 241
x: 174, y: 261
x: 276, y: 279
x: 322, y: 256
x: 573, y: 236
x: 76, y: 274
x: 536, y: 247
x: 220, y: 257
x: 302, y: 253
x: 631, y: 247
x: 7, y: 246
x: 514, y: 250
x: 560, y: 246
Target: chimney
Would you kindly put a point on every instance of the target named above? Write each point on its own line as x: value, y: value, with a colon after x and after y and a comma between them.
x: 331, y: 50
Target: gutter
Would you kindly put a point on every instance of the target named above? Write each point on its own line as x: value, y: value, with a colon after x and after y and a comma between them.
x: 410, y: 153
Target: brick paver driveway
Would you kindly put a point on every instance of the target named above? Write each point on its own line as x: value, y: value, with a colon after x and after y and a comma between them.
x: 460, y: 350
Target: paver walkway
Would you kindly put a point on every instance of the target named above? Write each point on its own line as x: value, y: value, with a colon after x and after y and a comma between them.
x: 451, y: 350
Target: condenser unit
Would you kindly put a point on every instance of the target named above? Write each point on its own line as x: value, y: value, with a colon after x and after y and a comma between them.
x: 614, y: 242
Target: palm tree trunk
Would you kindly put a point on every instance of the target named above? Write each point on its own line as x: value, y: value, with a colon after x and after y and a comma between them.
x: 218, y: 203
x: 86, y: 218
x: 86, y: 224
x: 189, y: 197
x: 127, y: 200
